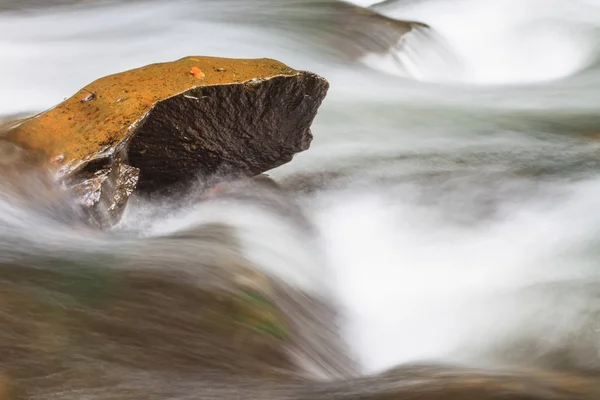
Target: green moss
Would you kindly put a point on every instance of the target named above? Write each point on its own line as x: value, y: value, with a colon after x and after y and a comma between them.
x: 258, y: 313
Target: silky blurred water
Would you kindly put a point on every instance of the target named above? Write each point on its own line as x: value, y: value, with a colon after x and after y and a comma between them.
x: 452, y: 182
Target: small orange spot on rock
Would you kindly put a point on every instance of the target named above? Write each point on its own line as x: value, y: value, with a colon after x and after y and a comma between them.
x: 197, y: 73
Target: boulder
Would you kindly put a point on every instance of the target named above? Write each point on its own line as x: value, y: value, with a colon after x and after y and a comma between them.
x: 157, y: 128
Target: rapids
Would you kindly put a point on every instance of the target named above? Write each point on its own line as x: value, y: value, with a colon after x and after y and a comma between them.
x: 447, y: 205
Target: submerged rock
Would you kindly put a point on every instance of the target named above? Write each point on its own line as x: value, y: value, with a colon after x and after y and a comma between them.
x: 358, y: 31
x: 156, y: 128
x: 337, y: 28
x: 182, y: 310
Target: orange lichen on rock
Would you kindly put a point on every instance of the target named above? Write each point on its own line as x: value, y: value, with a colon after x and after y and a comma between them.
x: 197, y: 73
x: 85, y: 124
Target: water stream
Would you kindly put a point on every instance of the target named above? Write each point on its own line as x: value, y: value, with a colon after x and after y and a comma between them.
x: 452, y: 186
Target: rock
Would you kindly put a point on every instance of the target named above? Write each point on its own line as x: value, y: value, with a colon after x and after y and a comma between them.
x: 341, y: 29
x: 455, y: 382
x: 105, y: 192
x: 187, y: 305
x: 155, y: 129
x: 355, y: 31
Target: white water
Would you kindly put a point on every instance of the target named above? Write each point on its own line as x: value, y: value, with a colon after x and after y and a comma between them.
x: 465, y: 221
x: 418, y: 287
x: 506, y: 41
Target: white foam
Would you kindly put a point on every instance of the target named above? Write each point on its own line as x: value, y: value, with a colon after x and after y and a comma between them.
x: 417, y: 287
x: 495, y: 41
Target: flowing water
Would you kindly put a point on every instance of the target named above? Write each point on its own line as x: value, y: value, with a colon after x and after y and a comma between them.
x: 451, y: 190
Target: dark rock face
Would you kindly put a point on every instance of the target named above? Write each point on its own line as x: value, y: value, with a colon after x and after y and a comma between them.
x: 239, y: 129
x: 156, y: 129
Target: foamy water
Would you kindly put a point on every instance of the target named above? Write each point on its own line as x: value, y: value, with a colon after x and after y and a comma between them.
x: 498, y: 42
x: 419, y: 286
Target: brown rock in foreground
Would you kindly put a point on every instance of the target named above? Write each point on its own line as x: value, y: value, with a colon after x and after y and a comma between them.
x: 156, y: 128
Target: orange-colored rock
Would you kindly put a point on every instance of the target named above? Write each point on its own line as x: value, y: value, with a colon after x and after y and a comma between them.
x: 104, y: 112
x: 158, y: 127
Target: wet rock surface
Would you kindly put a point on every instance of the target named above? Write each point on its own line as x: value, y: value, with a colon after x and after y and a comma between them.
x: 370, y: 31
x: 158, y: 128
x: 343, y: 30
x: 105, y: 192
x: 72, y: 329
